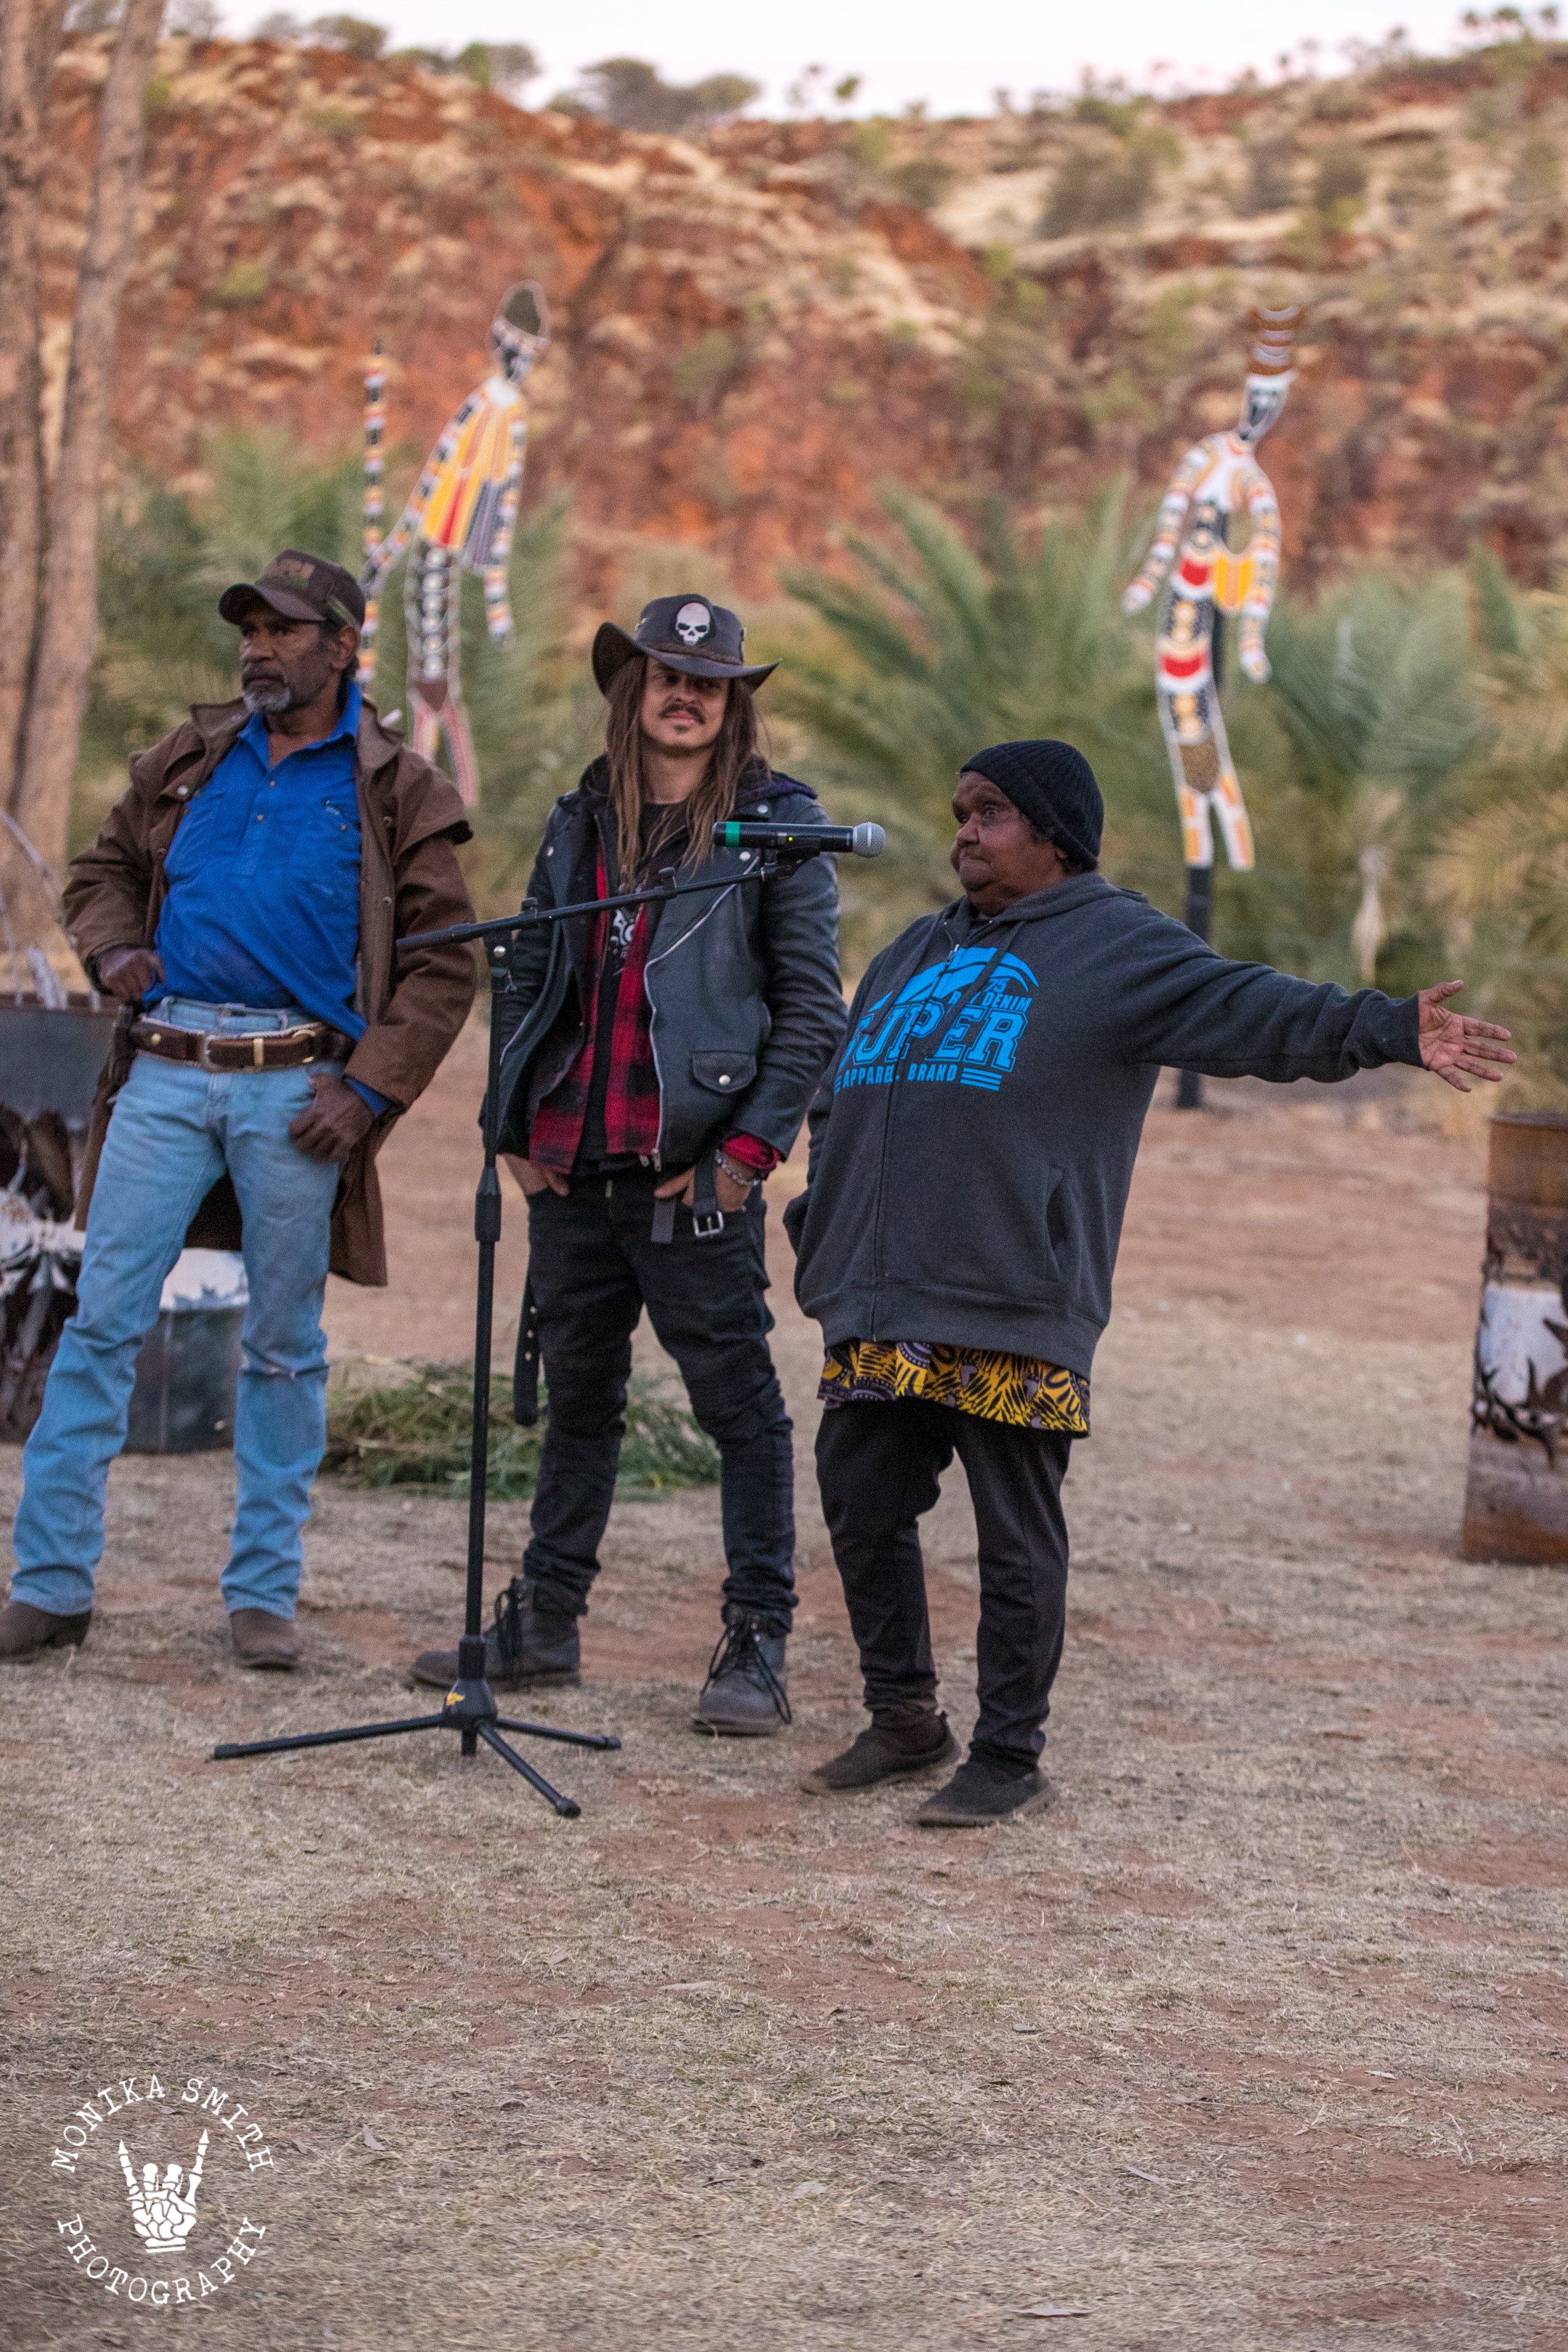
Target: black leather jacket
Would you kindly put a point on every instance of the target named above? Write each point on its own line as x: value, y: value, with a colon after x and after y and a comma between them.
x: 746, y: 1004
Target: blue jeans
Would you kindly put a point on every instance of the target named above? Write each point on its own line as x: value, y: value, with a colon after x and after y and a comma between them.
x: 174, y: 1130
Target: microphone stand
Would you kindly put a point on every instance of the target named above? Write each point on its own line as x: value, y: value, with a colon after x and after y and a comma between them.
x: 469, y: 1708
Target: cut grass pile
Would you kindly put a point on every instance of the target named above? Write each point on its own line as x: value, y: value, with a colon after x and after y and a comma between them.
x: 415, y: 1431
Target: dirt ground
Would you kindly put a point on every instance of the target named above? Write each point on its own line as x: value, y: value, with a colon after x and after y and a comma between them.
x: 1257, y: 2039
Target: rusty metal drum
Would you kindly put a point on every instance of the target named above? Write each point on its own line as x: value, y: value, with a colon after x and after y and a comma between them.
x: 1516, y: 1497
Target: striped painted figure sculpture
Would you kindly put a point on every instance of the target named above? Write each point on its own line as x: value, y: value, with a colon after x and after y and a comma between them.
x: 1219, y: 541
x: 460, y: 518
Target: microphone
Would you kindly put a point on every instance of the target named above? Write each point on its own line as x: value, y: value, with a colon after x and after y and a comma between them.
x: 803, y: 840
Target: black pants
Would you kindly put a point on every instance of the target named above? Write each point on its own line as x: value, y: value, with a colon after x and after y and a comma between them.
x: 594, y: 1266
x: 880, y: 1466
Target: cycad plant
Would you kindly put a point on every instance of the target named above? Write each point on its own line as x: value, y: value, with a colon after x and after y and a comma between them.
x: 1500, y: 872
x: 931, y: 649
x: 167, y: 556
x: 1353, y: 761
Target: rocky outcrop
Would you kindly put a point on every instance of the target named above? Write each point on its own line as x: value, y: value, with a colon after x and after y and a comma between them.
x: 753, y: 330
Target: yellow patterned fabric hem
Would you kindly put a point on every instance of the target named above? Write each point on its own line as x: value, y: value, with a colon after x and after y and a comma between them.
x: 1023, y: 1390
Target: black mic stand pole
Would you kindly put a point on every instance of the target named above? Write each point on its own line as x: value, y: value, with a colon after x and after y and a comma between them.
x: 470, y: 1709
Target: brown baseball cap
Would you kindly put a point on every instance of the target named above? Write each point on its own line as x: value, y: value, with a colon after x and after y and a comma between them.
x: 303, y: 588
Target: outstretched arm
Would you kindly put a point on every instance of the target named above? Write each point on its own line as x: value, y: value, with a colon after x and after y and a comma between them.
x: 1263, y: 508
x: 498, y: 559
x: 1194, y: 1009
x: 1167, y: 530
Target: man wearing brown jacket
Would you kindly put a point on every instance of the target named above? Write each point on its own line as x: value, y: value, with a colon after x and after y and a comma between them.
x: 242, y: 900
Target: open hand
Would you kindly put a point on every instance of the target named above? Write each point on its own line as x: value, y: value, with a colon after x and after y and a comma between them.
x: 129, y: 972
x: 1455, y: 1043
x: 333, y: 1119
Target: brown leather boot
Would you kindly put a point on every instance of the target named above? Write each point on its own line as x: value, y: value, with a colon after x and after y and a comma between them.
x: 262, y: 1640
x: 25, y: 1632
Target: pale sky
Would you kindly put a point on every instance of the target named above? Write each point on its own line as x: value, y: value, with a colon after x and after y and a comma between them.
x: 954, y: 54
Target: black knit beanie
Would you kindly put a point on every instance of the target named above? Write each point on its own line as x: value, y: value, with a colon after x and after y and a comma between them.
x: 1053, y: 785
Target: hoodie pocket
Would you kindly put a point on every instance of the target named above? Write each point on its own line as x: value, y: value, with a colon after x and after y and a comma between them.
x: 1005, y: 1242
x: 723, y: 1072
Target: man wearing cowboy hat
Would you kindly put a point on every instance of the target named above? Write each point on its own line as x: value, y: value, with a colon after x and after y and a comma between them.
x: 657, y: 1066
x: 242, y: 902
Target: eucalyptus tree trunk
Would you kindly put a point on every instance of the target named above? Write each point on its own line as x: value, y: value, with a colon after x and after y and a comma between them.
x: 29, y: 43
x: 68, y: 618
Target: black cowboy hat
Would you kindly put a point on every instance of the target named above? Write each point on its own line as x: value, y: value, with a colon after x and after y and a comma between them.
x: 684, y: 633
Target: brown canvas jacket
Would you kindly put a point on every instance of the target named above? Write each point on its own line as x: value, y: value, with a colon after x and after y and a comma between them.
x: 411, y: 821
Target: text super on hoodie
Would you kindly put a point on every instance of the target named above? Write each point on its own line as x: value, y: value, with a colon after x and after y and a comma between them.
x: 972, y: 1141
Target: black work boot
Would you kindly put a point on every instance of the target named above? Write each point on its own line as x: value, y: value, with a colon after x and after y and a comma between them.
x: 745, y: 1696
x: 885, y: 1751
x: 981, y: 1793
x: 531, y: 1643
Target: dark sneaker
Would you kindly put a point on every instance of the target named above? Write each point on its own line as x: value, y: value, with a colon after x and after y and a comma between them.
x: 745, y: 1696
x: 882, y: 1752
x: 980, y: 1793
x: 25, y: 1632
x: 528, y: 1645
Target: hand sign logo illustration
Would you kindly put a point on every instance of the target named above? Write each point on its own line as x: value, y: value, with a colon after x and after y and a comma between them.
x: 151, y: 2218
x: 164, y: 2219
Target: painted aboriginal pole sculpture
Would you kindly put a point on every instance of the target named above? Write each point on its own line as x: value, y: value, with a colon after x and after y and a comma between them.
x: 1516, y: 1496
x: 460, y: 519
x: 1218, y: 540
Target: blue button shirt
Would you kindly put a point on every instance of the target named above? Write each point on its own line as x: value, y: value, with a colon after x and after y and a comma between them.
x: 263, y: 875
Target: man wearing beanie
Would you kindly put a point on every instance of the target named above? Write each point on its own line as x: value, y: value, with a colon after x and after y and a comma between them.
x: 971, y: 1148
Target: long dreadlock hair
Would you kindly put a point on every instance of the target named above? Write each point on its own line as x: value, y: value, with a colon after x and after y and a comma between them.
x: 709, y: 802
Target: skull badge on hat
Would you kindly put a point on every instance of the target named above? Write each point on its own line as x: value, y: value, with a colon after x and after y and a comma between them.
x: 684, y: 633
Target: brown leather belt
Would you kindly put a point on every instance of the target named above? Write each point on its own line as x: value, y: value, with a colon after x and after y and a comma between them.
x: 261, y: 1049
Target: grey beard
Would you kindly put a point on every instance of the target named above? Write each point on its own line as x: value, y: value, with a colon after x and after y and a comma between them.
x: 267, y: 697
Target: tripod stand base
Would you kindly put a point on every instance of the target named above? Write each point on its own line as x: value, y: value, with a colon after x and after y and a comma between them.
x: 470, y: 1711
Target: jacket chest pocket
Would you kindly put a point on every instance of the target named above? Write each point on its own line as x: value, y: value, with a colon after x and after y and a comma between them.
x: 721, y: 1071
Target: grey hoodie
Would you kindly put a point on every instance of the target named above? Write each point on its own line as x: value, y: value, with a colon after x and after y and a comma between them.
x: 972, y: 1141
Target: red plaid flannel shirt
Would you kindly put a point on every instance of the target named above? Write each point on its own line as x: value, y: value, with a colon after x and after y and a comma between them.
x: 631, y: 1097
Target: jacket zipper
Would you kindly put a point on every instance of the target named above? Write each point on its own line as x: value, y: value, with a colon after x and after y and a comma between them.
x: 882, y: 1175
x: 691, y: 929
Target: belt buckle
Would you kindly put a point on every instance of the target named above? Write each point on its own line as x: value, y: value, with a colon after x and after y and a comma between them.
x: 706, y: 1225
x: 257, y: 1042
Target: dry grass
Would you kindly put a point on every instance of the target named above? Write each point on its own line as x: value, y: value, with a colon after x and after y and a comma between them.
x: 1257, y: 2039
x: 417, y: 1431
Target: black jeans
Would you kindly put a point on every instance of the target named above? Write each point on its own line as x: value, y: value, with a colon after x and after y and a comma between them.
x: 594, y: 1266
x: 880, y: 1466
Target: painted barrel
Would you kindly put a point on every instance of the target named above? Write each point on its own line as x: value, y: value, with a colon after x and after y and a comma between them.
x: 187, y: 1374
x: 1516, y: 1496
